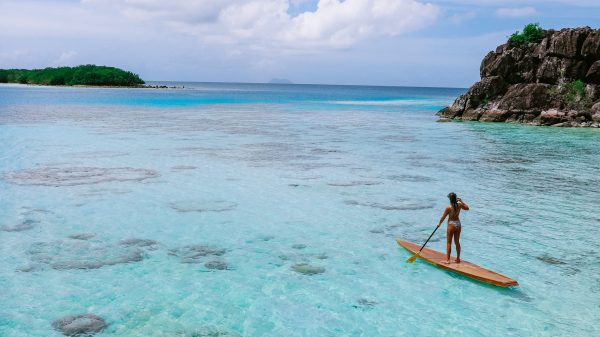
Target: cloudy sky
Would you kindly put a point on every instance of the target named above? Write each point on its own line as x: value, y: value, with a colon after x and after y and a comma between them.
x: 379, y: 42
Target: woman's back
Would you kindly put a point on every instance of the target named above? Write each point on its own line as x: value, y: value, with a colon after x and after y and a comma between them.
x: 453, y: 212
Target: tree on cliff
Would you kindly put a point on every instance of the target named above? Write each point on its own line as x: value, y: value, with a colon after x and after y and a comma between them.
x: 532, y: 33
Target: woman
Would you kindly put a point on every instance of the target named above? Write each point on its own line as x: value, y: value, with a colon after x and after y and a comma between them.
x: 453, y: 211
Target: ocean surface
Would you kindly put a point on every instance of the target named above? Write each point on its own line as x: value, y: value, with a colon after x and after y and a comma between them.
x: 272, y: 210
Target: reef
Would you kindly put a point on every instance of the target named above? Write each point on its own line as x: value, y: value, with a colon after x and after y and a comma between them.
x: 79, y: 325
x: 81, y: 254
x: 195, y: 253
x: 307, y: 269
x: 216, y: 265
x: 72, y: 176
x: 203, y: 206
x: 25, y: 225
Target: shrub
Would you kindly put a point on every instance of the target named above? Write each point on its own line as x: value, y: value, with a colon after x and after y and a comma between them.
x: 485, y: 101
x: 575, y: 97
x: 531, y: 33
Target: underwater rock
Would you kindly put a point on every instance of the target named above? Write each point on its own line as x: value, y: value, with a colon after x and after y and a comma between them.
x: 364, y: 303
x: 324, y: 151
x: 28, y: 268
x: 203, y: 206
x: 72, y: 176
x: 550, y: 260
x: 307, y: 269
x: 216, y: 265
x: 355, y: 183
x: 183, y: 167
x: 410, y: 178
x: 193, y: 253
x: 209, y: 332
x: 82, y: 236
x: 127, y: 257
x: 322, y: 256
x: 266, y: 237
x: 78, y: 254
x: 142, y: 243
x: 79, y: 325
x: 21, y: 227
x: 389, y: 207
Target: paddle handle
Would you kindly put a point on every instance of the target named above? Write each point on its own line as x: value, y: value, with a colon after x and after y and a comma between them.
x: 423, y: 246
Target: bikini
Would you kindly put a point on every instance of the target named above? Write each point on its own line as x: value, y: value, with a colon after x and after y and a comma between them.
x: 456, y: 223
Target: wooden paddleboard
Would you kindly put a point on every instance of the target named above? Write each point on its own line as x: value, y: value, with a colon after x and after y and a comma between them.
x: 464, y: 267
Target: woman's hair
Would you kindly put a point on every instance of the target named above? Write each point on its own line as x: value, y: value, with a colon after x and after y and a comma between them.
x: 452, y: 197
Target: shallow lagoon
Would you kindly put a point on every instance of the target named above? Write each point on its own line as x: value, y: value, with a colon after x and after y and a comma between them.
x: 271, y: 210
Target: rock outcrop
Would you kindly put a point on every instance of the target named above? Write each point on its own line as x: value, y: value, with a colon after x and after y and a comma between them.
x: 80, y: 325
x: 555, y: 81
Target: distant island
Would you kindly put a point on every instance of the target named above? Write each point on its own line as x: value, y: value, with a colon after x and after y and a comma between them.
x: 280, y: 81
x: 89, y: 74
x: 538, y: 77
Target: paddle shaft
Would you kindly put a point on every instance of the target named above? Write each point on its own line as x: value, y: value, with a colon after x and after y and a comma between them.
x: 423, y: 246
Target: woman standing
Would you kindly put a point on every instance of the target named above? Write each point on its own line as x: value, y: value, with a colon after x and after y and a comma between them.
x: 452, y: 211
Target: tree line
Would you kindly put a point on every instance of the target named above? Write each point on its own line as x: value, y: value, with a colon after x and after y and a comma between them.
x: 81, y: 75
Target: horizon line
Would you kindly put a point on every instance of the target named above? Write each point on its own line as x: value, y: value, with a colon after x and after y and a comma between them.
x: 312, y: 84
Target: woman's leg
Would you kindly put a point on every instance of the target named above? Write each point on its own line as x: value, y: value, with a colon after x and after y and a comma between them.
x: 449, y: 234
x: 457, y: 243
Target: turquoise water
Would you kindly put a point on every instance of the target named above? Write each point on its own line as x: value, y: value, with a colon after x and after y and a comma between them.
x: 189, y: 212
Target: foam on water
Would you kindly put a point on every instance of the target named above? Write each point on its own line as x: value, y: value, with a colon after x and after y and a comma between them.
x: 276, y: 215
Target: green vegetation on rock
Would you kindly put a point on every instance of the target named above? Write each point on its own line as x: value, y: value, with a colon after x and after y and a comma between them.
x: 80, y: 75
x: 531, y: 33
x: 575, y: 96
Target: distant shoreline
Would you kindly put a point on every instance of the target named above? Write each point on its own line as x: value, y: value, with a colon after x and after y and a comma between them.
x: 88, y: 74
x: 143, y: 86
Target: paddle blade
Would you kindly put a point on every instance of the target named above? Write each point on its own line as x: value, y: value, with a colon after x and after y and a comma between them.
x: 413, y: 258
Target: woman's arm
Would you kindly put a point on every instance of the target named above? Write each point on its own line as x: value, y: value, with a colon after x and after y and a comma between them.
x: 443, y: 216
x: 463, y: 204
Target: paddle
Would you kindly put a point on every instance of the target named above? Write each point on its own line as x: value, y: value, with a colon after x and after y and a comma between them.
x: 414, y: 257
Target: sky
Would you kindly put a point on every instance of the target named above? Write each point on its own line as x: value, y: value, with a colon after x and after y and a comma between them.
x: 436, y: 43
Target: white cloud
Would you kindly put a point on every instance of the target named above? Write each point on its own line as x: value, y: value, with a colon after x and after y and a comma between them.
x: 341, y: 24
x: 516, y: 12
x: 267, y: 24
x: 495, y: 3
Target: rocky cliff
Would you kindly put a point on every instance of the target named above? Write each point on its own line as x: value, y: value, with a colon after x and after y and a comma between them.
x: 555, y: 81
